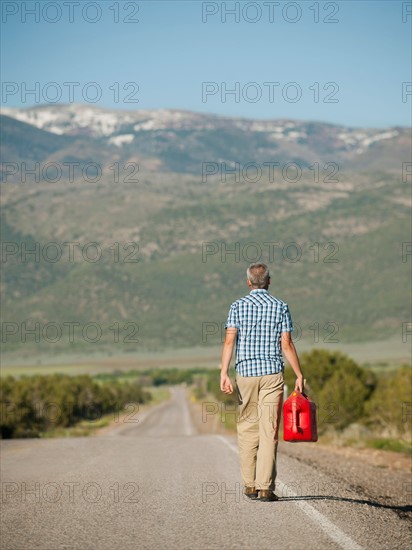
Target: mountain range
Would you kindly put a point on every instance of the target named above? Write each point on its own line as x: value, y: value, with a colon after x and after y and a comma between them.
x: 181, y: 141
x: 178, y: 204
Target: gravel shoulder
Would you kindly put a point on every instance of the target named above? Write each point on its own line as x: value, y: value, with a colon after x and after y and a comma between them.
x: 379, y: 476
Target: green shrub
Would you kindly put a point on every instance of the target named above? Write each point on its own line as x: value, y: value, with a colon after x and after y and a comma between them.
x: 337, y: 384
x: 390, y: 407
x: 31, y: 405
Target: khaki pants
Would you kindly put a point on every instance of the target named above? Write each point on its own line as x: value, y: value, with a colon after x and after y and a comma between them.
x: 260, y: 406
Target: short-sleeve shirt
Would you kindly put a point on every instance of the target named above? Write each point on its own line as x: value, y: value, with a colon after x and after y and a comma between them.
x: 260, y: 318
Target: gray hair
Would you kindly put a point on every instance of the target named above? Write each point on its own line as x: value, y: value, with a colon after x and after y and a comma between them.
x: 258, y: 275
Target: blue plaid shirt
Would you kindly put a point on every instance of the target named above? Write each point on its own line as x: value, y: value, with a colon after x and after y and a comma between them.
x: 260, y: 319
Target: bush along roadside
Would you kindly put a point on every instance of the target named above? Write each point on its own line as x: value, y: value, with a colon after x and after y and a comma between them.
x: 354, y: 405
x: 32, y: 406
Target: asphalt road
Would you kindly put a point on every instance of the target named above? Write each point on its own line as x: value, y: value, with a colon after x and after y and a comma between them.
x: 156, y: 484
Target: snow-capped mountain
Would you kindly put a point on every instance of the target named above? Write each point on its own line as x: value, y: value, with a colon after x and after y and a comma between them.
x: 182, y: 139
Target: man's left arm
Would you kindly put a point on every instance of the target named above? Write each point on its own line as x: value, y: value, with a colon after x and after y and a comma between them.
x: 230, y: 339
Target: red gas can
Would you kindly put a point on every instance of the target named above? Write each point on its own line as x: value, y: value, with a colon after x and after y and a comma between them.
x: 299, y: 418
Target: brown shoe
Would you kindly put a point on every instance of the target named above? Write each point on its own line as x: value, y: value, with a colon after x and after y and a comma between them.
x: 251, y: 492
x: 267, y: 496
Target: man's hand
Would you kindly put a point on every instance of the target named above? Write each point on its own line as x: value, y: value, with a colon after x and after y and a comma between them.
x: 299, y: 385
x: 226, y: 384
x: 230, y: 338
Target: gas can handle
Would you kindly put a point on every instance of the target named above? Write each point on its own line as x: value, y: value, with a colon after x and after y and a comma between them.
x: 295, y: 428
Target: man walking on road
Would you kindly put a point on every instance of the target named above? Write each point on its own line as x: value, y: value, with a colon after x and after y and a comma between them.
x: 260, y: 324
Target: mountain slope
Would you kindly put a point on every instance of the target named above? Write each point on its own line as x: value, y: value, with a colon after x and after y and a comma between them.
x: 334, y: 245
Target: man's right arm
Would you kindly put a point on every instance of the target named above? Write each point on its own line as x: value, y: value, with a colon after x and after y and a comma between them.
x: 289, y: 351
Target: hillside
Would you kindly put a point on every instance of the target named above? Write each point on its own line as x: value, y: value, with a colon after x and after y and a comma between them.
x: 343, y: 279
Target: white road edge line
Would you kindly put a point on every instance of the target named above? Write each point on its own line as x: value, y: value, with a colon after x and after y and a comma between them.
x: 331, y: 530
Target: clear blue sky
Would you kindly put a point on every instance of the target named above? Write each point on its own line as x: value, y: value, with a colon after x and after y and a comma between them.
x: 170, y: 53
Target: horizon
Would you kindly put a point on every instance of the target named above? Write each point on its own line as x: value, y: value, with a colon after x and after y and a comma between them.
x: 172, y: 109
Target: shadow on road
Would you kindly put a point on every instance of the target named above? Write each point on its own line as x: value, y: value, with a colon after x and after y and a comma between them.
x: 372, y: 503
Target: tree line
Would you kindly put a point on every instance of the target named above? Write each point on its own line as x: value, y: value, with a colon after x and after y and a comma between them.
x: 32, y: 405
x: 344, y: 392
